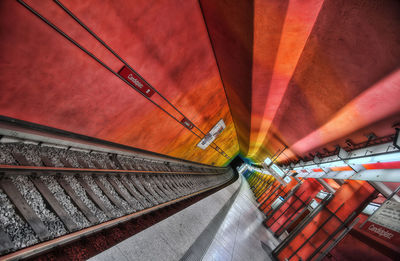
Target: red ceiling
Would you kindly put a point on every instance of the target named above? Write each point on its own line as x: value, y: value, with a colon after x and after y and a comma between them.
x: 320, y: 71
x: 302, y: 74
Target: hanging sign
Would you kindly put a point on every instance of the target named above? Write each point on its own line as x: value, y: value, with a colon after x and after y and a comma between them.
x: 385, y: 222
x: 134, y: 79
x: 212, y: 135
x: 277, y: 202
x: 187, y: 123
x: 313, y: 204
x: 287, y: 179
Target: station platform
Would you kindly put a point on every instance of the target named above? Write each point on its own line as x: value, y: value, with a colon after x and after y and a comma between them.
x: 242, y: 235
x: 224, y: 226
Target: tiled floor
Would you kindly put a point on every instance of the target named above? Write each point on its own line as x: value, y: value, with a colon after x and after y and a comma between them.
x: 241, y: 233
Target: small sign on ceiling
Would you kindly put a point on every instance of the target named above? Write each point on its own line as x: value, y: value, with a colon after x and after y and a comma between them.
x: 187, y: 123
x: 136, y: 81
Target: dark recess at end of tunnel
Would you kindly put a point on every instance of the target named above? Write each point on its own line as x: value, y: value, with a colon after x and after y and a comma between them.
x: 236, y: 162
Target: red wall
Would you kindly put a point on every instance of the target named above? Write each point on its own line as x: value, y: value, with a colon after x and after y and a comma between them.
x: 47, y: 80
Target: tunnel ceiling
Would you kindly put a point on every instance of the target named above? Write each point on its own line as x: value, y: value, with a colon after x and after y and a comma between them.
x: 303, y: 74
